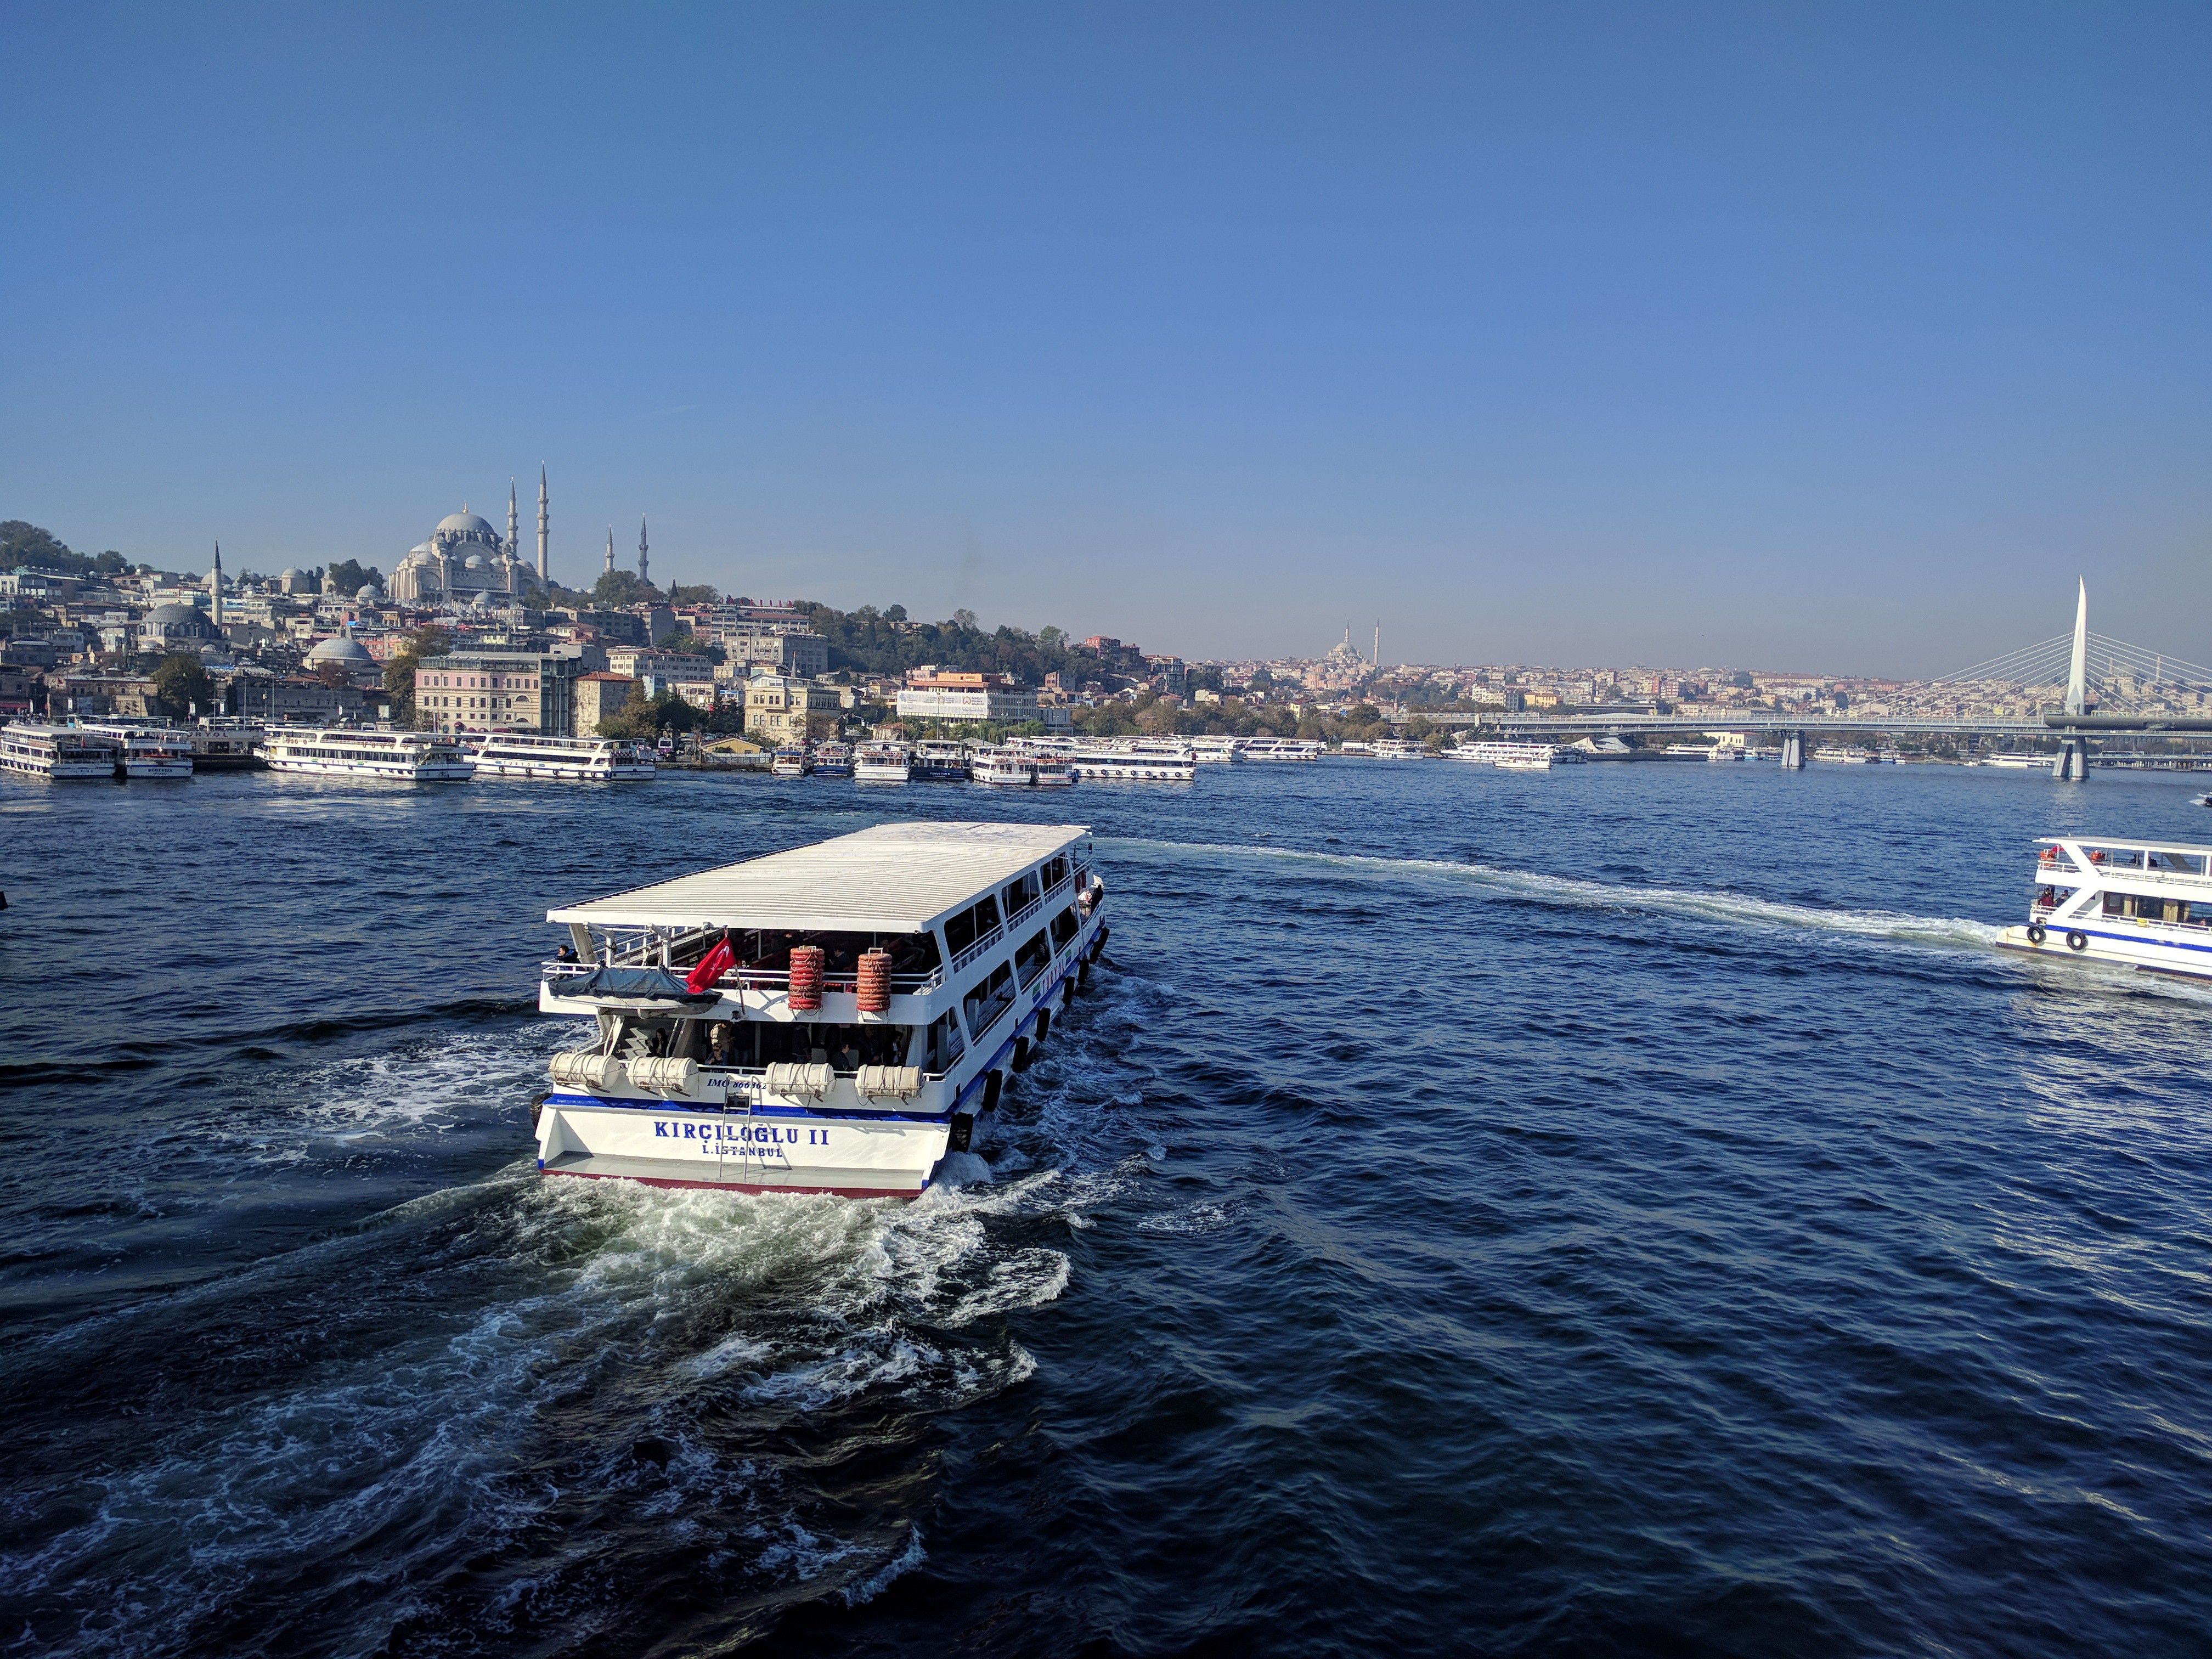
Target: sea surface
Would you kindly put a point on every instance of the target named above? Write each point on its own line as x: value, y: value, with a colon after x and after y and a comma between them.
x: 1628, y: 1210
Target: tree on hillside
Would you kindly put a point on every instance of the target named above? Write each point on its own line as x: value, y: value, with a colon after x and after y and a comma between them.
x: 702, y: 593
x: 184, y: 685
x: 617, y: 588
x: 351, y: 576
x: 399, y: 673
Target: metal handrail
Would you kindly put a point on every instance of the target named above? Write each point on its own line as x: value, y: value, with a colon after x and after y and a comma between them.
x: 975, y: 952
x: 761, y: 979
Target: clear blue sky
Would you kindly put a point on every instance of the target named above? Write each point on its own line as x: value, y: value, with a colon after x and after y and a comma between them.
x: 1769, y: 335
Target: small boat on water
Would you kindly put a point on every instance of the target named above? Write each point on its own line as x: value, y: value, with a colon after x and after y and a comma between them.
x: 1002, y: 766
x: 791, y: 760
x: 569, y: 760
x: 62, y: 753
x: 832, y: 1019
x: 834, y: 760
x: 148, y: 750
x: 939, y: 761
x: 1216, y: 748
x: 340, y: 751
x: 1396, y: 749
x: 1515, y: 757
x: 880, y: 762
x: 2144, y: 904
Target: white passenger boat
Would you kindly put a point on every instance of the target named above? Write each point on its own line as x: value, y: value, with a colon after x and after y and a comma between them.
x: 148, y: 751
x: 1282, y: 749
x: 1216, y: 748
x: 880, y: 762
x: 1396, y: 749
x: 1156, y: 765
x: 2015, y: 762
x: 791, y: 760
x: 939, y: 761
x: 1003, y: 767
x: 834, y: 760
x: 830, y: 1019
x: 1051, y: 772
x: 337, y: 751
x: 1515, y: 757
x: 226, y: 745
x: 2148, y: 904
x: 60, y: 752
x: 585, y: 760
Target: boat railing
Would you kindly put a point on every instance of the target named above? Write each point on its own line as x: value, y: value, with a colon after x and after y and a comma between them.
x: 1028, y: 910
x: 750, y: 978
x: 975, y: 953
x: 2134, y: 864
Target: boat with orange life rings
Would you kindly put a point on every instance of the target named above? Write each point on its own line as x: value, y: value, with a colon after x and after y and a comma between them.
x: 835, y: 1019
x: 2139, y: 904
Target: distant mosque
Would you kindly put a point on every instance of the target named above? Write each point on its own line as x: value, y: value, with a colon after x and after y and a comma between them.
x: 466, y: 560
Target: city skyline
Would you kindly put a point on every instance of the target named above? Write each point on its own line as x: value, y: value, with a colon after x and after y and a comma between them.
x: 1842, y: 339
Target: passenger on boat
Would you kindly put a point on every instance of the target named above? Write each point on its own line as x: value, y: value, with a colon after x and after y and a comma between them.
x: 717, y: 1042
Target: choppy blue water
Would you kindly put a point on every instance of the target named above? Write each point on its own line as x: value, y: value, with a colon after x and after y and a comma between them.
x: 1632, y: 1209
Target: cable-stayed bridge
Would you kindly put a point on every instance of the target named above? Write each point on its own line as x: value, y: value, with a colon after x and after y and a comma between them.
x: 2074, y: 686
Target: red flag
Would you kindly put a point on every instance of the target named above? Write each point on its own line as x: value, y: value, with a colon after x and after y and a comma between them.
x: 716, y: 962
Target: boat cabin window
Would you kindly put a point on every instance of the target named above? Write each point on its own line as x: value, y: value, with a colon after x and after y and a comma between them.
x: 1054, y: 871
x: 2143, y: 907
x: 1033, y: 959
x: 988, y: 1000
x: 971, y: 924
x: 943, y: 1043
x: 1065, y: 927
x: 750, y: 1044
x: 1022, y: 889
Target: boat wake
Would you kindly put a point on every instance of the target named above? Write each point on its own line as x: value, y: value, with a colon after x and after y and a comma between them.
x: 1728, y: 908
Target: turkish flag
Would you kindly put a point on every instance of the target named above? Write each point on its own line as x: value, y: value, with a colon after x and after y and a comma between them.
x: 716, y: 962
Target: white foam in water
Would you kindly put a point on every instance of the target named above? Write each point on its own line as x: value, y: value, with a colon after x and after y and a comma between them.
x: 1712, y: 906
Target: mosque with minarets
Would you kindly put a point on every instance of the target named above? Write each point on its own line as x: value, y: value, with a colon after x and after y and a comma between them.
x: 465, y: 559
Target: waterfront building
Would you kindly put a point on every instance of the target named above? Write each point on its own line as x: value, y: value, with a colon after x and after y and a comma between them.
x: 600, y: 696
x: 782, y: 709
x: 498, y: 691
x: 932, y: 694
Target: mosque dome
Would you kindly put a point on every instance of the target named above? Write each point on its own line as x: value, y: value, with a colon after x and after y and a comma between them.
x: 474, y: 561
x: 465, y: 525
x: 341, y: 648
x: 366, y: 594
x: 169, y: 615
x: 289, y: 574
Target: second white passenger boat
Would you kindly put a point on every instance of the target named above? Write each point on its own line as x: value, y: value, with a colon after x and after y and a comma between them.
x: 148, y: 751
x: 62, y: 753
x: 569, y: 760
x: 880, y: 762
x: 337, y: 751
x: 2144, y: 904
x: 1514, y: 756
x: 830, y: 1019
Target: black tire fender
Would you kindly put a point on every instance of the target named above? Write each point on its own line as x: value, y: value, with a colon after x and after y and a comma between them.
x: 994, y: 1086
x: 2077, y: 940
x: 537, y: 1107
x: 1043, y: 1028
x: 2036, y: 934
x: 962, y: 1130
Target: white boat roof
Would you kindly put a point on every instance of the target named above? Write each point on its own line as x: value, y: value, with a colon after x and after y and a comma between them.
x: 2129, y: 842
x: 893, y: 878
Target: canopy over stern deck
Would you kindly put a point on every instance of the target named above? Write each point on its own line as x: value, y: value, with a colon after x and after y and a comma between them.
x: 893, y: 878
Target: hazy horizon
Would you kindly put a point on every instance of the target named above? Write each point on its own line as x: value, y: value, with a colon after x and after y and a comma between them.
x: 1837, y: 341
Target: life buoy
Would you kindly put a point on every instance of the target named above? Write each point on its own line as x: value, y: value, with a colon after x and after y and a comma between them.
x: 2077, y: 940
x: 2035, y: 934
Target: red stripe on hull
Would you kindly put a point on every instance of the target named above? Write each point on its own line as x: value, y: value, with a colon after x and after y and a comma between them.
x: 738, y: 1187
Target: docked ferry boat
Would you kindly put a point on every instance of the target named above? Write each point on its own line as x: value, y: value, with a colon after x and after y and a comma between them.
x: 830, y: 1019
x: 59, y: 752
x: 1002, y: 766
x: 939, y: 760
x: 224, y: 744
x: 834, y: 760
x: 335, y: 752
x: 148, y: 751
x: 2146, y: 904
x: 880, y: 762
x: 1514, y: 756
x: 1283, y: 749
x: 791, y: 760
x: 586, y: 760
x: 1148, y: 762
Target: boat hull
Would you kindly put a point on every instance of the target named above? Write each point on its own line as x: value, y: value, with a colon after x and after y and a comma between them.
x: 665, y: 1144
x: 2150, y: 946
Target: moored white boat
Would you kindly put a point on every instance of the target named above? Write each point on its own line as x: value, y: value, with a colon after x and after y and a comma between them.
x: 1283, y: 749
x: 834, y: 1019
x: 880, y: 762
x: 585, y: 760
x: 1150, y: 764
x: 2145, y: 905
x: 339, y: 752
x: 939, y: 761
x: 833, y: 760
x: 148, y: 751
x: 62, y: 753
x: 1515, y: 757
x: 791, y: 760
x: 1002, y: 766
x: 225, y: 744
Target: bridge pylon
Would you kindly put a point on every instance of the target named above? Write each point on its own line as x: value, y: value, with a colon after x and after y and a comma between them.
x: 1793, y: 752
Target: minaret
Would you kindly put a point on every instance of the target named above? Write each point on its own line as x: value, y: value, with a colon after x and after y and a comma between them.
x: 1377, y: 663
x: 512, y: 530
x: 611, y: 550
x: 641, y: 577
x: 214, y: 587
x: 544, y: 575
